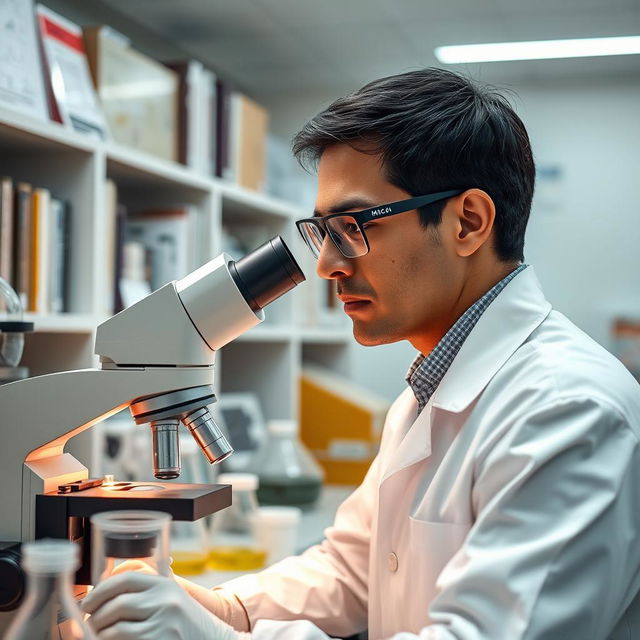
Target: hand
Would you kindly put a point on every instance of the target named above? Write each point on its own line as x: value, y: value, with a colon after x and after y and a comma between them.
x: 139, y: 606
x: 135, y: 565
x: 209, y: 599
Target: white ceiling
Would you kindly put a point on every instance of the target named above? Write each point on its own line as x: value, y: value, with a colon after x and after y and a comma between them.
x: 286, y: 46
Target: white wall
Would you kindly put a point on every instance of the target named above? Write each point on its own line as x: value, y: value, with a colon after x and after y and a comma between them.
x: 587, y: 253
x: 586, y: 250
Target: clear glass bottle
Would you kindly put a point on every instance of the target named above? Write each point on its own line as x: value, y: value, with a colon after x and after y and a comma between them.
x: 233, y: 546
x: 12, y: 328
x: 287, y: 473
x: 49, y: 610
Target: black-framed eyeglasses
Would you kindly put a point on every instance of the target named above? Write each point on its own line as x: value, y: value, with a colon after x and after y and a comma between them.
x: 346, y: 230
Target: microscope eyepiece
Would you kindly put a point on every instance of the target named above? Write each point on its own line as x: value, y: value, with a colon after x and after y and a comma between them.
x: 266, y: 273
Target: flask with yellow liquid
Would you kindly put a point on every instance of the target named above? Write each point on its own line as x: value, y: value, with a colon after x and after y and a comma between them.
x: 232, y: 544
x: 188, y: 550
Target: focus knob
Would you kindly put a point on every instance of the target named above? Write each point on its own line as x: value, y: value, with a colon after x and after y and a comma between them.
x: 12, y: 578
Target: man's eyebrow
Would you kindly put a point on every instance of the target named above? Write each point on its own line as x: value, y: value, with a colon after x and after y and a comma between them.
x: 345, y: 205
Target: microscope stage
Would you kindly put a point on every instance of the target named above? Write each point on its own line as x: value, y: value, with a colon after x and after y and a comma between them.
x: 183, y: 501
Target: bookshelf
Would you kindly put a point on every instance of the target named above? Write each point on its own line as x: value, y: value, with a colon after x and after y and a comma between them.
x: 266, y: 360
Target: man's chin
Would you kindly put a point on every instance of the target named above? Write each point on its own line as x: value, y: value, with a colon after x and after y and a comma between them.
x: 371, y: 339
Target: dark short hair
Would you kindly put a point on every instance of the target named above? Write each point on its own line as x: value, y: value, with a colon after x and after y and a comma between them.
x: 436, y: 130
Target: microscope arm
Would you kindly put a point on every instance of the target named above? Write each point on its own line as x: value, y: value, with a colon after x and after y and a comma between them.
x: 48, y: 410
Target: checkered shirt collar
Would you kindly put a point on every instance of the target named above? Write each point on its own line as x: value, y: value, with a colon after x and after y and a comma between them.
x: 426, y: 372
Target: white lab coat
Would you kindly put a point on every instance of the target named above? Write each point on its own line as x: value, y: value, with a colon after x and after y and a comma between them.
x: 508, y: 509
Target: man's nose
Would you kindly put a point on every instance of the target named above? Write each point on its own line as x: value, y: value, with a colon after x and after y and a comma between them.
x: 332, y: 264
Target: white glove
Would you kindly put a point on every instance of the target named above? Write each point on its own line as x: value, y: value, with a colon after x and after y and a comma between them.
x: 139, y: 606
x: 223, y: 605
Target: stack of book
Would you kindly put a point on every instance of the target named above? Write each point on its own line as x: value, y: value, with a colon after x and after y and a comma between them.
x: 35, y: 246
x: 93, y: 80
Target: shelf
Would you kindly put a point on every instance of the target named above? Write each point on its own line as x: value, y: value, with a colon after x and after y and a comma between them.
x: 63, y: 322
x: 132, y: 167
x: 238, y: 201
x: 25, y: 134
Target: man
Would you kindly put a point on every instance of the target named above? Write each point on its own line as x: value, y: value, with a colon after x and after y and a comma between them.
x: 505, y: 500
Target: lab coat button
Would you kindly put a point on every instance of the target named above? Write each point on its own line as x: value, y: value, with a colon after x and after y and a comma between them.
x: 392, y: 561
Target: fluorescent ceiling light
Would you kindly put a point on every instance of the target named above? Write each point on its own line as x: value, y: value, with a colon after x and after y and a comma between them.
x: 538, y: 50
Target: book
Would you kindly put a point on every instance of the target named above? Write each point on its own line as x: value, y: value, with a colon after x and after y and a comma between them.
x: 248, y: 144
x: 60, y: 262
x: 212, y: 116
x: 40, y: 251
x: 66, y: 66
x: 168, y: 236
x: 22, y: 242
x: 110, y: 214
x: 6, y: 229
x: 133, y: 284
x: 196, y: 115
x: 22, y: 86
x: 139, y: 96
x: 120, y: 239
x: 223, y: 168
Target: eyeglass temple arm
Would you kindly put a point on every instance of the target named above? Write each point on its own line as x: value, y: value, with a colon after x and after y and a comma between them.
x: 401, y: 206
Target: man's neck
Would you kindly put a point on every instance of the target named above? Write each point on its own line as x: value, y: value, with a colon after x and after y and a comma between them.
x: 471, y: 291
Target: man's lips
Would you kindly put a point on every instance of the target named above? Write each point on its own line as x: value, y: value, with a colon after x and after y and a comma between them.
x: 353, y: 303
x: 348, y: 299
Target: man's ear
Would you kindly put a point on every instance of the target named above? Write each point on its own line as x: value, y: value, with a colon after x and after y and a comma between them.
x: 474, y: 215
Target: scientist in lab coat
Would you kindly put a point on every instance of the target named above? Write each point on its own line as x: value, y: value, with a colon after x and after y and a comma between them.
x: 504, y: 503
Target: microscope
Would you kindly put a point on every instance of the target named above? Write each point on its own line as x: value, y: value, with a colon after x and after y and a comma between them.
x: 157, y: 358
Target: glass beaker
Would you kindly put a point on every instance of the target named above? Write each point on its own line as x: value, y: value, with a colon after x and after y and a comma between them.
x: 118, y: 536
x: 233, y: 546
x: 287, y: 473
x: 49, y: 610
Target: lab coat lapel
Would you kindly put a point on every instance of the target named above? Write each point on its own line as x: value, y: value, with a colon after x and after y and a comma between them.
x: 412, y: 440
x: 503, y: 327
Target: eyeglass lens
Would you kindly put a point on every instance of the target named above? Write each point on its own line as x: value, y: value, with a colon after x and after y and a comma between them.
x: 345, y: 234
